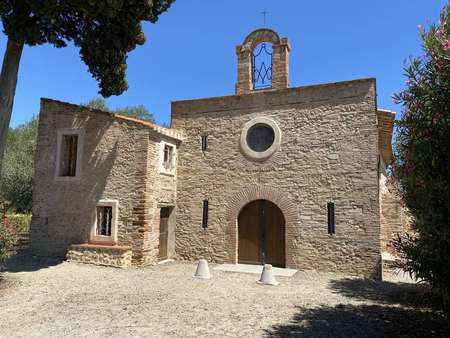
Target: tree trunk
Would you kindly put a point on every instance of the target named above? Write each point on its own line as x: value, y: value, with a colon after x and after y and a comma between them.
x: 8, y: 82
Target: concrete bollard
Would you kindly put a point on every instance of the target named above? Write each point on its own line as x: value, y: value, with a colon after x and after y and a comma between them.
x: 202, y: 270
x: 267, y: 277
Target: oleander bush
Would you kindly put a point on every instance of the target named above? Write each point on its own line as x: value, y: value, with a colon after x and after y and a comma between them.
x: 422, y: 168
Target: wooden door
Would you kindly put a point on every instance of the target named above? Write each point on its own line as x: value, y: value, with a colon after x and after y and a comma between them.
x: 274, y: 236
x: 249, y: 234
x: 261, y: 229
x: 163, y: 232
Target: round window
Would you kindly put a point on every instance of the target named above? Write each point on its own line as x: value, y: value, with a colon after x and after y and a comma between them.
x: 260, y: 138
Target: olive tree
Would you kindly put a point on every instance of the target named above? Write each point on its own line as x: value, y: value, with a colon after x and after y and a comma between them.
x: 18, y: 166
x: 139, y: 111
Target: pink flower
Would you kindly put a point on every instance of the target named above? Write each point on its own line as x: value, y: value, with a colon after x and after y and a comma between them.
x: 447, y: 45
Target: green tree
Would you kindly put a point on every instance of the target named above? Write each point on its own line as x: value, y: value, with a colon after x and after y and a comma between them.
x: 139, y: 111
x: 6, y: 237
x: 105, y: 32
x: 6, y: 243
x: 423, y: 158
x: 18, y: 169
x: 97, y: 103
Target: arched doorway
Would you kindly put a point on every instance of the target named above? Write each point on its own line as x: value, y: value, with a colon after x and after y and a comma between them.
x: 261, y: 229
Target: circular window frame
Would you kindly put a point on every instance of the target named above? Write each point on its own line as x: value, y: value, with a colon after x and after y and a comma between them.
x: 263, y: 155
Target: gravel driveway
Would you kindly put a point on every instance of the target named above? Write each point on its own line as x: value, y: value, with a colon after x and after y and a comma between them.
x: 48, y: 298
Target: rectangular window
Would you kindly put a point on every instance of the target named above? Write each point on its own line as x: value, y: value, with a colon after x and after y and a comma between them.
x: 68, y: 155
x: 104, y: 221
x: 167, y: 162
x: 205, y: 214
x: 330, y: 216
x: 204, y: 142
x: 104, y: 227
x: 168, y: 157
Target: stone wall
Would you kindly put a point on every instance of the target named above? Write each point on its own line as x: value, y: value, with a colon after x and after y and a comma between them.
x: 161, y: 192
x: 118, y: 163
x: 328, y: 153
x: 116, y: 256
x: 166, y: 184
x: 394, y: 218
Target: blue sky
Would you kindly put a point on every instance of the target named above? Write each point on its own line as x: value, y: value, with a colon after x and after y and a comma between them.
x: 190, y: 51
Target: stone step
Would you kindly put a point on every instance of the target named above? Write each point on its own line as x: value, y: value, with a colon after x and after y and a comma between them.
x: 107, y: 255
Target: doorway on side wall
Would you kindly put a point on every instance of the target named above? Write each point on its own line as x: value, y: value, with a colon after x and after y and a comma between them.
x: 164, y: 232
x: 261, y: 234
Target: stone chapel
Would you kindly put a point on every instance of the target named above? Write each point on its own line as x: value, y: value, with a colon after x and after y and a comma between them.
x: 291, y: 176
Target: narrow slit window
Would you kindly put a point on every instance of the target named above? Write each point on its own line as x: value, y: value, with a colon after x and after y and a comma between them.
x: 331, y: 220
x: 104, y: 221
x: 68, y: 156
x: 205, y: 214
x: 204, y: 142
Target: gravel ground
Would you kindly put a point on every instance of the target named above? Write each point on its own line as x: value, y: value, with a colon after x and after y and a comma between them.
x: 47, y: 298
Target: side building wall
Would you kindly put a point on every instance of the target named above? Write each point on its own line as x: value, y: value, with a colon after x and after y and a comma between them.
x: 115, y: 162
x: 161, y: 192
x: 394, y: 216
x: 328, y: 152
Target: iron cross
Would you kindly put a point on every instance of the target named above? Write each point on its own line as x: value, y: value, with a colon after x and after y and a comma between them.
x: 264, y: 15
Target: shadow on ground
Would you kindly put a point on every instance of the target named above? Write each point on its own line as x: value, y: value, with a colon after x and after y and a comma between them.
x: 398, y: 310
x: 28, y: 263
x: 383, y: 292
x: 363, y: 321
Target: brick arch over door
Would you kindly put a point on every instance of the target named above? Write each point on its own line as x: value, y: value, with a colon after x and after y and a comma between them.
x: 274, y: 195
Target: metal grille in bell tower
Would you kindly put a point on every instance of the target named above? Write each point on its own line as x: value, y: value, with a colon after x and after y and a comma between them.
x: 262, y: 66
